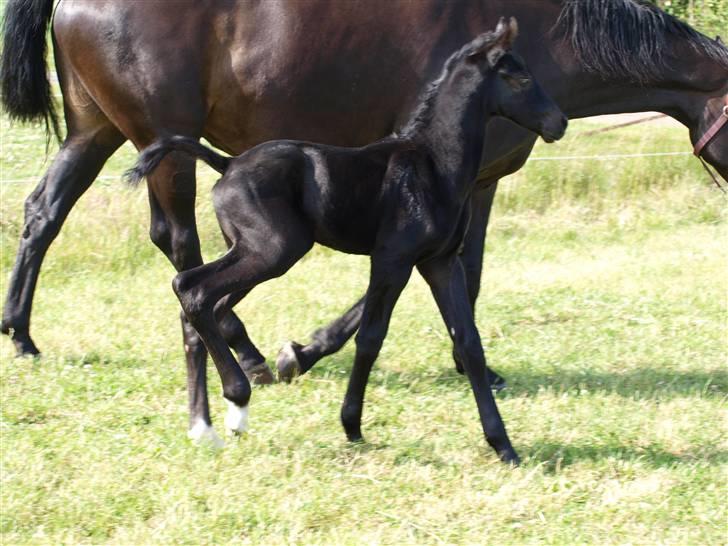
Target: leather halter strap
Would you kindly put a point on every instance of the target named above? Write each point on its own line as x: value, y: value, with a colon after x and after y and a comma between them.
x: 707, y: 137
x: 712, y: 131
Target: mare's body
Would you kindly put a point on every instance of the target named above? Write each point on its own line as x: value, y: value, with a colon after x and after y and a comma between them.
x: 240, y: 73
x: 404, y: 201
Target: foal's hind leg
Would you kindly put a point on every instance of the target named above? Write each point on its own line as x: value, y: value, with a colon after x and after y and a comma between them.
x: 272, y: 251
x: 74, y: 168
x: 173, y: 230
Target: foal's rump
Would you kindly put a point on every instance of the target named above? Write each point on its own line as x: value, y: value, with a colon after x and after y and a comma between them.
x: 150, y: 158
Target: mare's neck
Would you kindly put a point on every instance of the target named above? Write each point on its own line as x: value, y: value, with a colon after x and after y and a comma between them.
x: 681, y: 90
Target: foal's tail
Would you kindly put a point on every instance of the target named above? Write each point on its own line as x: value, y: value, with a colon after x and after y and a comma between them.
x: 153, y: 155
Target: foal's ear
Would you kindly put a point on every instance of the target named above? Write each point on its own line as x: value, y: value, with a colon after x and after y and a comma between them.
x: 498, y: 41
x: 506, y: 33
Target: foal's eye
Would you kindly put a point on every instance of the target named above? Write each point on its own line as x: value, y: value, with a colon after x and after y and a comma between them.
x: 516, y: 82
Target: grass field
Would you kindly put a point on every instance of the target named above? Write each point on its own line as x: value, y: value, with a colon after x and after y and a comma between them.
x: 603, y: 303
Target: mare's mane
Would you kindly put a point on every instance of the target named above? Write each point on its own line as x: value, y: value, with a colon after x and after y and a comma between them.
x: 628, y: 38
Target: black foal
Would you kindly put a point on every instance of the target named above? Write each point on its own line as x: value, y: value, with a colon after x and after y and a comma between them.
x: 403, y: 200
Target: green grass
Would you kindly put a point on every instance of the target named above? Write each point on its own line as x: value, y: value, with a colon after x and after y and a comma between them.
x: 603, y: 303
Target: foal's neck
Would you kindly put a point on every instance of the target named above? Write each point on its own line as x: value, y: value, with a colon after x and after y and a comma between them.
x: 450, y: 124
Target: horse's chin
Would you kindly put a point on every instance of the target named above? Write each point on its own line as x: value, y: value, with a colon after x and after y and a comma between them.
x: 551, y: 137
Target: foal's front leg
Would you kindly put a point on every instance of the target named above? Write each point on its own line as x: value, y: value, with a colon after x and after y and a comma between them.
x: 385, y: 285
x: 447, y: 282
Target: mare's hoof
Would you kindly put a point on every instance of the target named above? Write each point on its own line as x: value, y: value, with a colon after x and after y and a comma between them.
x: 287, y: 362
x: 203, y: 434
x: 356, y: 438
x: 260, y: 374
x: 497, y: 383
x: 24, y: 345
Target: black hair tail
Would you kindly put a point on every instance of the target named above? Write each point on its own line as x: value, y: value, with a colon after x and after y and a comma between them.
x: 152, y: 156
x: 25, y: 90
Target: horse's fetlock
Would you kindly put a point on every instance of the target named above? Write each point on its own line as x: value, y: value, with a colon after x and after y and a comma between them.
x: 237, y: 392
x: 351, y: 420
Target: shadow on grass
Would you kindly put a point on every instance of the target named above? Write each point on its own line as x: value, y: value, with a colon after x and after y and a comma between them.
x: 555, y: 456
x: 642, y: 383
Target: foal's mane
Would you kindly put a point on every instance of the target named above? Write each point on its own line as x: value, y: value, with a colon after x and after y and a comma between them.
x: 627, y: 38
x: 422, y: 114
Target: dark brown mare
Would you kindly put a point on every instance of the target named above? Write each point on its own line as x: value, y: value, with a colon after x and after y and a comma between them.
x: 240, y: 73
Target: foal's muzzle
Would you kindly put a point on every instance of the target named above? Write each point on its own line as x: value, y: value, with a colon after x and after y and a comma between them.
x: 553, y: 127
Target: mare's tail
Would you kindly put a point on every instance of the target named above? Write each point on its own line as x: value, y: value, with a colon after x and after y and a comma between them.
x: 25, y: 90
x: 152, y: 156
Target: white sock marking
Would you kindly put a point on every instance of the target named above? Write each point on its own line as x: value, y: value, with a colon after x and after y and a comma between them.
x: 236, y: 419
x: 202, y: 433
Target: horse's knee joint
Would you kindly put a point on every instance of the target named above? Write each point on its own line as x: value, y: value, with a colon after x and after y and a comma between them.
x: 192, y: 302
x: 160, y: 236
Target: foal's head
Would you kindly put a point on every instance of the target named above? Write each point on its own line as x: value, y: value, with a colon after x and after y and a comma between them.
x: 512, y: 92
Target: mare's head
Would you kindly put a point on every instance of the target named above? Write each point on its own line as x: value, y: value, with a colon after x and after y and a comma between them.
x: 512, y: 90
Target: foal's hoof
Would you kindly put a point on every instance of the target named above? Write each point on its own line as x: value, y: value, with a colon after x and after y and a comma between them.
x: 236, y: 418
x: 260, y: 374
x: 510, y: 457
x: 287, y: 362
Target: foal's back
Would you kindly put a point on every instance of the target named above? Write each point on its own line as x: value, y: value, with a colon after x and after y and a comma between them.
x: 343, y: 195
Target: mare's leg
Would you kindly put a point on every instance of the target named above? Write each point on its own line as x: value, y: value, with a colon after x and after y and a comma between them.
x: 82, y: 154
x: 447, y: 282
x: 295, y: 359
x: 172, y: 229
x: 385, y: 285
